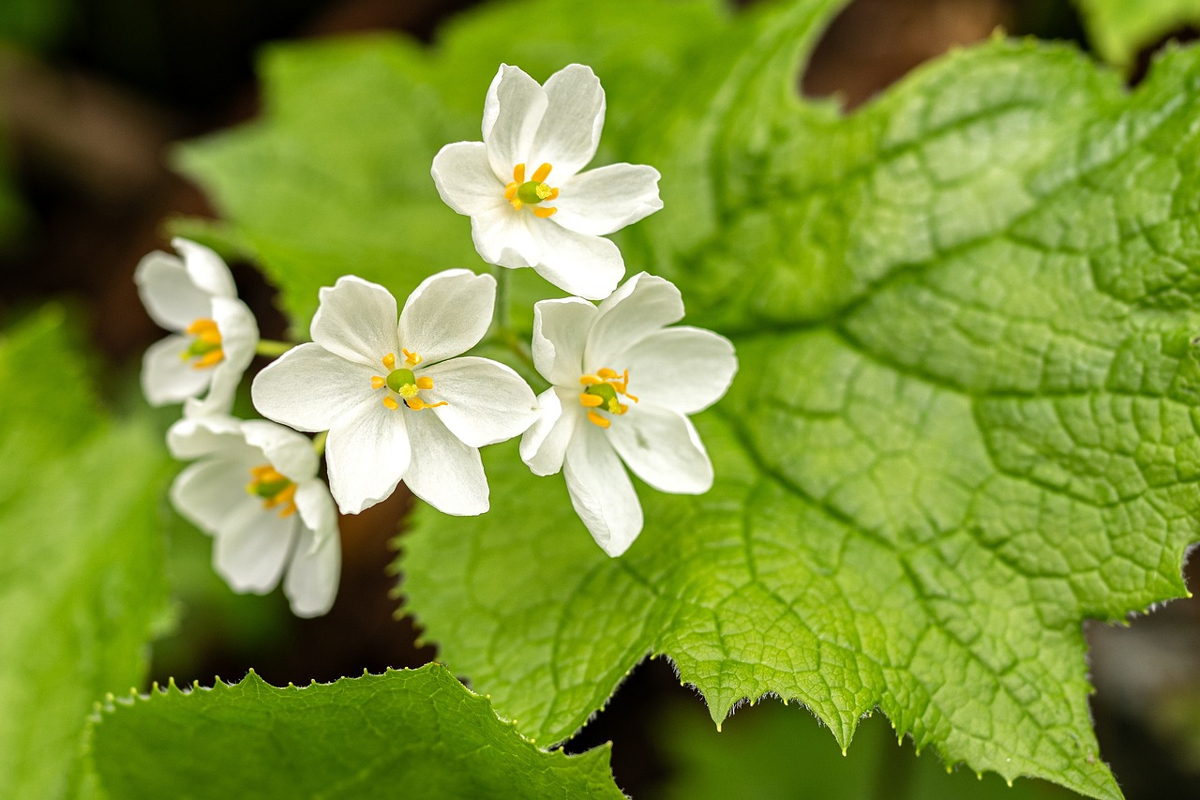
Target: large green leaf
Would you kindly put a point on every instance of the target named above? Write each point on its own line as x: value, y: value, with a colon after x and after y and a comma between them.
x: 1119, y: 29
x: 402, y: 734
x: 965, y: 416
x: 81, y: 555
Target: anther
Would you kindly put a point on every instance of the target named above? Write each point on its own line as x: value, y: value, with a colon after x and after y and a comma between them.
x: 541, y: 173
x: 411, y: 358
x: 389, y: 361
x: 591, y: 400
x: 209, y: 359
x: 543, y: 213
x: 424, y: 382
x: 390, y: 403
x: 596, y: 419
x: 519, y: 173
x: 377, y: 382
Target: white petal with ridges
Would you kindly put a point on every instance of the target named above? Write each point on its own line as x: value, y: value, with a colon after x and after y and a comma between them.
x: 544, y: 446
x: 663, y: 449
x: 313, y: 575
x: 207, y: 269
x: 601, y: 490
x: 171, y: 299
x: 601, y: 201
x: 641, y: 306
x: 503, y: 236
x: 289, y: 452
x: 317, y: 511
x: 252, y: 546
x: 195, y: 437
x: 588, y: 266
x: 357, y: 321
x: 239, y: 338
x: 570, y: 128
x: 310, y: 389
x: 368, y: 453
x: 447, y: 314
x: 512, y: 113
x: 465, y: 180
x: 560, y: 331
x: 445, y: 473
x: 209, y: 493
x: 685, y: 369
x: 167, y: 377
x: 486, y: 402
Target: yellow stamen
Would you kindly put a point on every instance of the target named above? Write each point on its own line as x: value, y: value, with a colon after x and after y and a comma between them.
x: 606, y: 373
x: 411, y: 358
x: 390, y: 403
x: 627, y: 394
x: 378, y: 382
x: 589, y: 380
x: 596, y: 419
x: 541, y: 174
x: 275, y: 489
x: 209, y: 359
x: 516, y: 203
x: 424, y: 382
x: 519, y: 174
x: 389, y: 360
x: 417, y: 404
x: 545, y: 211
x: 510, y: 191
x: 590, y: 400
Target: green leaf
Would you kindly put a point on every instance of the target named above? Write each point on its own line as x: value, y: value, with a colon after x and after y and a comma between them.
x: 81, y: 555
x: 416, y: 732
x: 36, y: 24
x: 335, y: 179
x: 965, y: 418
x: 1119, y: 29
x: 755, y: 755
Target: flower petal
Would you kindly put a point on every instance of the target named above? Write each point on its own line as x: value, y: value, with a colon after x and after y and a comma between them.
x: 315, y: 506
x: 312, y: 578
x: 207, y: 270
x: 544, y: 445
x: 239, y: 338
x: 560, y: 331
x: 465, y: 180
x: 252, y: 547
x: 663, y: 449
x: 171, y: 299
x: 503, y: 236
x: 447, y: 314
x: 607, y: 199
x: 570, y: 129
x: 209, y: 493
x: 287, y: 451
x: 601, y: 491
x: 368, y: 453
x: 486, y: 402
x: 684, y: 369
x: 167, y: 377
x: 195, y: 437
x: 643, y: 304
x: 512, y: 112
x: 445, y: 473
x: 357, y: 321
x: 309, y: 388
x: 588, y: 266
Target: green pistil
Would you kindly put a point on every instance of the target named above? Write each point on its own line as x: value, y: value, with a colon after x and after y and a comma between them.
x: 200, y: 348
x: 398, y: 379
x: 269, y: 489
x: 608, y: 394
x: 532, y: 192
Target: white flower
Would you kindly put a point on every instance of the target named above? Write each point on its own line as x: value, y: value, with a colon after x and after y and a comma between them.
x: 215, y: 333
x: 396, y: 405
x: 255, y: 490
x: 529, y: 204
x: 623, y: 384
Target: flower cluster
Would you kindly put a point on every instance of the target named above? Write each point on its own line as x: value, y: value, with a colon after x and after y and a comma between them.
x: 390, y: 392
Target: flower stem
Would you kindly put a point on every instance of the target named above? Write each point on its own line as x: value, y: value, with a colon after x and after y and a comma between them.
x: 502, y: 301
x: 272, y: 348
x: 517, y: 348
x: 318, y: 442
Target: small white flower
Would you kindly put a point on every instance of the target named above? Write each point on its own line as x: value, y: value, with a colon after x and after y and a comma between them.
x: 215, y: 333
x: 396, y: 404
x: 522, y: 187
x: 255, y: 490
x: 623, y: 385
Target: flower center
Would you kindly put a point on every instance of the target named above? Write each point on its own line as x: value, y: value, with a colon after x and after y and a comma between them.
x: 206, y: 346
x: 274, y: 488
x: 521, y: 192
x: 602, y: 393
x: 404, y: 383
